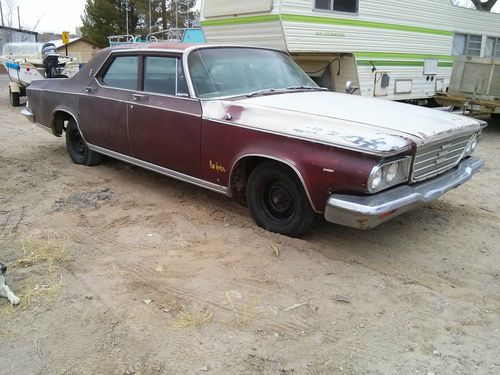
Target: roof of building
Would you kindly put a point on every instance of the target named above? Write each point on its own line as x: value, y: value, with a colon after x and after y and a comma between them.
x: 18, y: 30
x: 58, y: 42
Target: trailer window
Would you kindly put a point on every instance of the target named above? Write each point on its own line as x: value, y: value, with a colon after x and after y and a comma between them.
x: 467, y: 45
x: 492, y: 48
x: 350, y: 6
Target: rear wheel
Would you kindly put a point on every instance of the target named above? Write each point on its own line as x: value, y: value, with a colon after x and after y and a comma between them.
x: 14, y: 98
x: 77, y: 148
x: 277, y: 200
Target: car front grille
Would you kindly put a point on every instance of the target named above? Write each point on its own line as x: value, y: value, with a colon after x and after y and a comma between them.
x: 437, y: 158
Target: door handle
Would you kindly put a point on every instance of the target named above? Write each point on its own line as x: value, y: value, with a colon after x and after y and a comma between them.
x: 138, y: 97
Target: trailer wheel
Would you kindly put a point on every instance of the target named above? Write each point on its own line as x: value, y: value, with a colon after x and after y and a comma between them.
x: 278, y: 201
x: 77, y: 148
x: 14, y: 98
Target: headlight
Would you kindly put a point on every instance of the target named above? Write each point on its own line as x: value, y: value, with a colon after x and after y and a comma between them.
x: 392, y: 172
x: 471, y: 147
x: 389, y: 173
x: 376, y: 179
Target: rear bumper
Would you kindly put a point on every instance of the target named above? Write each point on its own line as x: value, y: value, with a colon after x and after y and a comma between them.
x: 26, y: 112
x: 367, y: 212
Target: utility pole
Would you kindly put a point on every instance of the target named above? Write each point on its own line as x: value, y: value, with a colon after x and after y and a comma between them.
x: 1, y: 12
x: 18, y: 18
x: 176, y: 14
x: 150, y: 16
x: 126, y: 15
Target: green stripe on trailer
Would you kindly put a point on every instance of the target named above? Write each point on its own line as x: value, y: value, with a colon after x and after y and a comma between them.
x: 241, y: 20
x: 324, y: 21
x: 441, y: 64
x: 390, y: 55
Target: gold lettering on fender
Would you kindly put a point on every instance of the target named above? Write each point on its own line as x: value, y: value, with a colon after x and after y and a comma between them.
x: 219, y: 168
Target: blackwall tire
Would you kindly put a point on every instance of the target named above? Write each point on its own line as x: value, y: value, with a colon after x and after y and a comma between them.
x: 14, y: 98
x: 78, y: 149
x: 277, y: 200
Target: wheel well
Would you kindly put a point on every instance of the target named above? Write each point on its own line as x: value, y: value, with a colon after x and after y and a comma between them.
x: 244, y: 167
x: 59, y: 122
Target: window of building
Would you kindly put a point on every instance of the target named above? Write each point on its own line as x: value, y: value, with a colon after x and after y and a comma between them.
x: 122, y: 73
x: 467, y: 45
x: 349, y: 6
x: 164, y: 75
x: 492, y: 48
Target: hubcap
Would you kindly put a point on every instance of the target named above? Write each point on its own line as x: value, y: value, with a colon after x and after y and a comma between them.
x: 78, y: 143
x: 278, y: 201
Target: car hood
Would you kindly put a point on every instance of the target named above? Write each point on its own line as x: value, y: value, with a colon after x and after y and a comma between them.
x: 350, y: 121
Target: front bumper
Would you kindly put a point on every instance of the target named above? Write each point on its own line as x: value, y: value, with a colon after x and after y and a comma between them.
x: 26, y: 112
x: 367, y: 212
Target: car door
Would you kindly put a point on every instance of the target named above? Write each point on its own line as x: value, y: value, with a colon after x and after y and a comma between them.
x: 164, y: 123
x: 103, y: 104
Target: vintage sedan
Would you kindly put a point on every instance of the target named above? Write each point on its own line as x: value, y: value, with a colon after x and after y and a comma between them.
x: 249, y: 123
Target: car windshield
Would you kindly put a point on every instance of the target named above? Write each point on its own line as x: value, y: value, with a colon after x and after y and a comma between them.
x: 223, y: 72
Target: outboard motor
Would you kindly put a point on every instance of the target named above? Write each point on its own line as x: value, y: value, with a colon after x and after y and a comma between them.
x: 50, y: 59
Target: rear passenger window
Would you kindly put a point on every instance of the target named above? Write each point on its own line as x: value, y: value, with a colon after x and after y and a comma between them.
x: 164, y: 75
x: 122, y: 73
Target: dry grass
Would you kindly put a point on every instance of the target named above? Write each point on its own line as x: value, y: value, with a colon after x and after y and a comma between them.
x: 37, y: 251
x: 246, y: 314
x: 186, y: 318
x: 33, y: 290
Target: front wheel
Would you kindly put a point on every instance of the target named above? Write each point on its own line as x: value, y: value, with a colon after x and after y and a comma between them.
x: 77, y: 148
x: 14, y: 98
x: 277, y: 200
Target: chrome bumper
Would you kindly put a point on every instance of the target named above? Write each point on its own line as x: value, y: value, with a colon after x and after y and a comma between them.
x: 367, y: 212
x: 26, y: 112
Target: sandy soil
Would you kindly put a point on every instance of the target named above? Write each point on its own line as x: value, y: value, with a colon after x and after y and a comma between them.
x: 122, y: 271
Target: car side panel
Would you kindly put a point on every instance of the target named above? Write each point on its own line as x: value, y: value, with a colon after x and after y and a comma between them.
x: 324, y: 169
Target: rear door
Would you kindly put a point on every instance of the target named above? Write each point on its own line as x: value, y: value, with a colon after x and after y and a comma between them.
x: 164, y: 123
x: 103, y: 104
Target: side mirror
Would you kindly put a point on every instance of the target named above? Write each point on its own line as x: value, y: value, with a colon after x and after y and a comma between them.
x: 350, y: 88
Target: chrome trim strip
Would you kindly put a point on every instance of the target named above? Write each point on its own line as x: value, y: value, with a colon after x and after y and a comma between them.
x: 141, y: 103
x: 343, y: 147
x: 164, y: 171
x: 284, y: 161
x: 367, y: 212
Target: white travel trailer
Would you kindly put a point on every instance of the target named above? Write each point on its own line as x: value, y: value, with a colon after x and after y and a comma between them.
x: 393, y: 49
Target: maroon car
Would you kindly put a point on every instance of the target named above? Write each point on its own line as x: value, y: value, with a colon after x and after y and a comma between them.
x: 248, y: 122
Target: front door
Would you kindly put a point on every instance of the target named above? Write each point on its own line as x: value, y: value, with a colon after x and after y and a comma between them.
x: 164, y: 123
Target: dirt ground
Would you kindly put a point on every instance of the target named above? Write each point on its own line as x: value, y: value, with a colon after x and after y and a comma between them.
x: 123, y: 271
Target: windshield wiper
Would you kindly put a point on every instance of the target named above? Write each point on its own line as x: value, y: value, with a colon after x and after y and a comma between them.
x: 264, y: 92
x: 307, y: 88
x: 273, y: 90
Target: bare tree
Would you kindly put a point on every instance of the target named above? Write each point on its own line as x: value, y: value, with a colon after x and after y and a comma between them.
x: 9, y: 21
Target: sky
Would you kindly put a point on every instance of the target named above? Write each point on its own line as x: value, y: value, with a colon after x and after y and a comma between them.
x: 57, y: 15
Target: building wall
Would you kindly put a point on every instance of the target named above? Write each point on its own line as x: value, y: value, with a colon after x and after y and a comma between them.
x: 81, y: 50
x: 9, y: 35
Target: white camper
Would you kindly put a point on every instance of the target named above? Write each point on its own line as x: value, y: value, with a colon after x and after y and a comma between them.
x: 393, y: 49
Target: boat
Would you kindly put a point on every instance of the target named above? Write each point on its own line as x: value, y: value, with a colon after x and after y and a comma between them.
x: 27, y: 62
